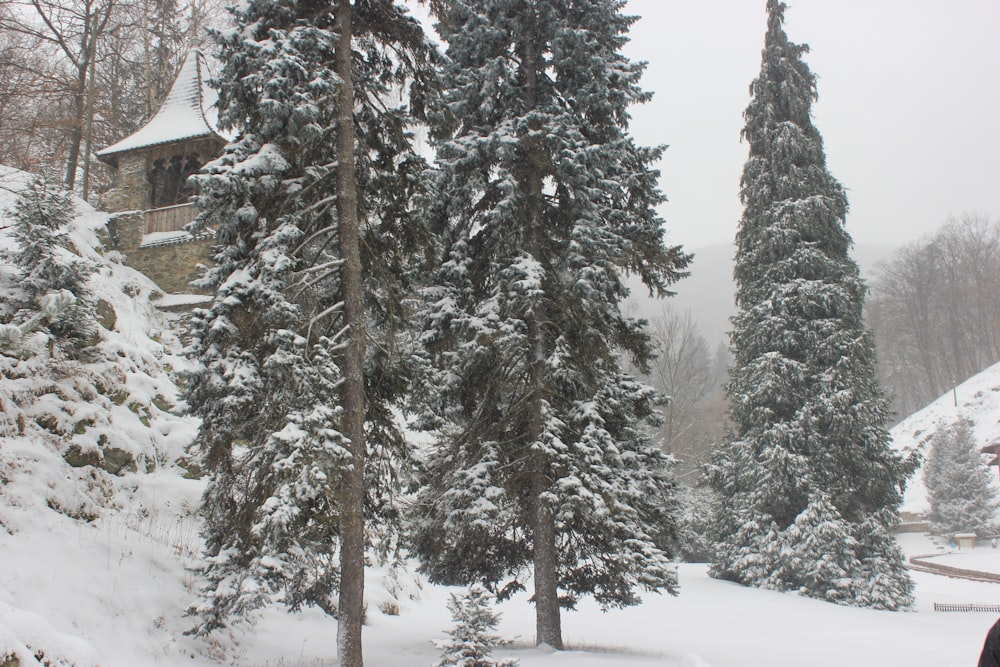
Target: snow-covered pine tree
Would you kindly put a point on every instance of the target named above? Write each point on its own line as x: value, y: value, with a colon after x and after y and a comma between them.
x: 818, y: 555
x: 808, y: 414
x: 50, y: 308
x: 266, y: 343
x: 275, y: 345
x: 474, y: 636
x: 959, y: 484
x: 42, y: 213
x: 543, y: 201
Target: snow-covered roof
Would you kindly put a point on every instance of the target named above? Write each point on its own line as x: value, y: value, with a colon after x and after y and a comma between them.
x: 186, y: 113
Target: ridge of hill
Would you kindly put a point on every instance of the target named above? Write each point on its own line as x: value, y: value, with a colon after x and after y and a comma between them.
x: 88, y: 447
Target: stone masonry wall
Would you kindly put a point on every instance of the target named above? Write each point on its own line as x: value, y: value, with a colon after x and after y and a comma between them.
x: 130, y: 191
x: 173, y: 267
x: 124, y: 232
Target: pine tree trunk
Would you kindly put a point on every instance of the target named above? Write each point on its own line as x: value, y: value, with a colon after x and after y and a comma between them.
x: 548, y: 625
x: 350, y: 609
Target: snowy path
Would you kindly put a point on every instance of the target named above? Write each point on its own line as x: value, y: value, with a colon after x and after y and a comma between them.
x: 981, y: 563
x: 925, y: 564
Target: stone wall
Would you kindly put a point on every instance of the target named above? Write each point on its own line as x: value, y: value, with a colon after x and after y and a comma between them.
x: 173, y: 267
x: 130, y: 191
x: 124, y: 232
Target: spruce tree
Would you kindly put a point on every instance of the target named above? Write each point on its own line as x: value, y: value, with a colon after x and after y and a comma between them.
x: 282, y: 388
x: 959, y: 484
x: 42, y: 214
x: 474, y: 635
x: 542, y: 202
x: 807, y: 412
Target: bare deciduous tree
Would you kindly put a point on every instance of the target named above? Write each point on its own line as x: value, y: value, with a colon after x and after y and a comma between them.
x: 73, y: 28
x: 935, y: 312
x: 30, y: 99
x: 79, y: 74
x: 686, y: 371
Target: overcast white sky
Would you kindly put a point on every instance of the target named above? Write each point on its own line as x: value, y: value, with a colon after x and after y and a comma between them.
x: 909, y: 107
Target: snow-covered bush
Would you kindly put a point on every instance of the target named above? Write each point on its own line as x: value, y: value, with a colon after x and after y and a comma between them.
x: 474, y: 636
x: 820, y: 555
x: 15, y: 339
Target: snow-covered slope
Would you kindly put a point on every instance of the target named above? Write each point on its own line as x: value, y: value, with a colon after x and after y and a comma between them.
x: 978, y: 399
x: 96, y: 566
x: 78, y: 544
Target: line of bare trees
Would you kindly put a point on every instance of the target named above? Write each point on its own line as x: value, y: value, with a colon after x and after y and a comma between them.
x: 935, y: 311
x: 692, y: 375
x: 76, y: 75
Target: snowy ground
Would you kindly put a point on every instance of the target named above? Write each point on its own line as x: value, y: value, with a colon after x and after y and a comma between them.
x: 111, y: 593
x: 983, y: 558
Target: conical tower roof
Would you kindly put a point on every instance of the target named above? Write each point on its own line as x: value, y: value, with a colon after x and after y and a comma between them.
x: 181, y: 117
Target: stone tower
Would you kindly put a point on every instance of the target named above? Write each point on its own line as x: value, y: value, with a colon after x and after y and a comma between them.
x: 150, y: 192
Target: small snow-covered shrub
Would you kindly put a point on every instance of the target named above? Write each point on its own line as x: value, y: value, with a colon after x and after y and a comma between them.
x: 474, y: 636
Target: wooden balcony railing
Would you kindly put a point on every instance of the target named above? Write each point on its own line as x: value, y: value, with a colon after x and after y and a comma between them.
x: 169, y: 218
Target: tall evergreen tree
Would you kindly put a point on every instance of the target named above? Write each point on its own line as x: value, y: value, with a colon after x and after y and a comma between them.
x: 315, y: 248
x: 959, y: 484
x: 808, y: 414
x: 543, y: 201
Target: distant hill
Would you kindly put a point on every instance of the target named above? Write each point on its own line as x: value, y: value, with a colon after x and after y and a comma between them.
x: 708, y: 292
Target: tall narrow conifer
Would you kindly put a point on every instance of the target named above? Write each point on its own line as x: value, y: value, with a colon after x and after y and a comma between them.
x: 543, y: 202
x: 316, y: 243
x: 809, y: 437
